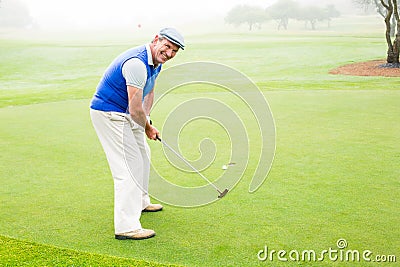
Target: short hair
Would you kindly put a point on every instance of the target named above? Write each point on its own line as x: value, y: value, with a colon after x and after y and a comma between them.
x: 160, y: 38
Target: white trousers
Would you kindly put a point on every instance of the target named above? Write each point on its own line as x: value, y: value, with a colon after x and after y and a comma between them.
x: 128, y: 156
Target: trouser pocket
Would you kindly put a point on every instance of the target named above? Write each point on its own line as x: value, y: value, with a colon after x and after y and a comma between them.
x: 123, y: 117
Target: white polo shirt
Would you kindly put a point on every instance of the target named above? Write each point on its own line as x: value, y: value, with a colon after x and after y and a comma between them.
x: 134, y: 70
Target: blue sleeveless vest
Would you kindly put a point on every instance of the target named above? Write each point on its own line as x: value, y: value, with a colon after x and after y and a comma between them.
x: 111, y: 93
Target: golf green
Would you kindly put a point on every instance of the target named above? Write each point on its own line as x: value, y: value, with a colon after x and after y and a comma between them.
x: 334, y: 176
x: 333, y: 184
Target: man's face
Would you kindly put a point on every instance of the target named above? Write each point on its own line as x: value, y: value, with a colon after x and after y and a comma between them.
x: 164, y: 50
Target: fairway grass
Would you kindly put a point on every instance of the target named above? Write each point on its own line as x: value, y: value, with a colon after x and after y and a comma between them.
x: 335, y: 174
x: 21, y: 253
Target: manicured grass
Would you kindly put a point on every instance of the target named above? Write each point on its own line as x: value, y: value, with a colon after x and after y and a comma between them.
x: 335, y: 173
x: 274, y: 62
x: 337, y: 182
x: 21, y: 253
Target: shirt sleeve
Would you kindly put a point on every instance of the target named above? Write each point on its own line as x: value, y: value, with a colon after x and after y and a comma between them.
x: 135, y: 73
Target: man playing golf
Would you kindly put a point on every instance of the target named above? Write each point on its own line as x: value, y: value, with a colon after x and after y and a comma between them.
x: 120, y: 113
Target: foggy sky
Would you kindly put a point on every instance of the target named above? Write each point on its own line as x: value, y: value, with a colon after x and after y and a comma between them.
x: 94, y: 13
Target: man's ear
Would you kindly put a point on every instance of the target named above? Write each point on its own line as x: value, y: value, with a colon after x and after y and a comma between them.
x: 155, y: 40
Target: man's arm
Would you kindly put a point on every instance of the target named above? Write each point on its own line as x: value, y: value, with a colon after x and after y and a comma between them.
x: 138, y: 114
x: 148, y: 102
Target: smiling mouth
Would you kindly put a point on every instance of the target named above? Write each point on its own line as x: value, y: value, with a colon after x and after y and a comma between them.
x: 164, y: 56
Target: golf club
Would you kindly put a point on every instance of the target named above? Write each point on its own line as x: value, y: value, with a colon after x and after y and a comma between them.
x: 221, y: 193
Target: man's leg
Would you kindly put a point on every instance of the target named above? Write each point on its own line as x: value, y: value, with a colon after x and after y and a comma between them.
x: 125, y: 160
x: 146, y: 155
x: 145, y: 152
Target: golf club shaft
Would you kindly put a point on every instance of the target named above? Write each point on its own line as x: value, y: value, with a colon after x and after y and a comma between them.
x: 187, y: 163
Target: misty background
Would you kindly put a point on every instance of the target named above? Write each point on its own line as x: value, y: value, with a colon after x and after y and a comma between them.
x: 75, y: 15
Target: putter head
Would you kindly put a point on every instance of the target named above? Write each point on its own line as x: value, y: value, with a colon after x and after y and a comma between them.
x: 223, y: 193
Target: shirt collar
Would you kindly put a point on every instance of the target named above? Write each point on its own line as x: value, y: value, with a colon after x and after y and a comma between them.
x: 149, y: 55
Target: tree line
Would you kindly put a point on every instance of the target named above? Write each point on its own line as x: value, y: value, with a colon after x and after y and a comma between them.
x: 14, y: 13
x: 281, y: 12
x: 284, y: 10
